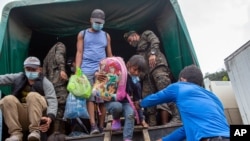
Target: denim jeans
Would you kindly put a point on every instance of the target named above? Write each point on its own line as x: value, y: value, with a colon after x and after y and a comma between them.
x: 117, y: 109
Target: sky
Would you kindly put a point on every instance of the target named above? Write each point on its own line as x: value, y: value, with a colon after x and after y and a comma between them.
x: 217, y: 28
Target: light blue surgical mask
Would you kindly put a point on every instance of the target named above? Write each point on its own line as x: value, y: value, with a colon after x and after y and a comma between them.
x: 32, y: 75
x: 135, y: 79
x: 97, y: 26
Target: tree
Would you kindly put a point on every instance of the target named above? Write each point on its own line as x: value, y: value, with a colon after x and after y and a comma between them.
x: 222, y: 75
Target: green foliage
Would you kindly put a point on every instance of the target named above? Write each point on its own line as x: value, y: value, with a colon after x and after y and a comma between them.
x: 218, y: 76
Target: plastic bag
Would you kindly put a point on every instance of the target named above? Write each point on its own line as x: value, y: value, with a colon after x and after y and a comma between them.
x: 75, y: 107
x: 79, y: 85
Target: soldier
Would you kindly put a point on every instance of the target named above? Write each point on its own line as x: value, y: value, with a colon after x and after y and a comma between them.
x: 157, y: 76
x: 54, y: 70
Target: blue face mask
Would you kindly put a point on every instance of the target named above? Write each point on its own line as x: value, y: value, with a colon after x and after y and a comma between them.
x: 32, y: 75
x: 97, y: 26
x: 135, y: 79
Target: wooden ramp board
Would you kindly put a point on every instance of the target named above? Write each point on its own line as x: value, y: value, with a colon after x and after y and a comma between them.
x: 146, y: 136
x: 152, y: 134
x: 107, y: 130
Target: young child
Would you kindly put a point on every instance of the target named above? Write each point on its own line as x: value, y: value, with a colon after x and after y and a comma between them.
x: 116, y: 106
x: 135, y: 65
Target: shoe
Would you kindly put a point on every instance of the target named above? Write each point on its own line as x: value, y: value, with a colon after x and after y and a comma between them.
x: 94, y: 130
x: 116, y: 124
x: 34, y: 136
x: 101, y: 129
x: 14, y: 138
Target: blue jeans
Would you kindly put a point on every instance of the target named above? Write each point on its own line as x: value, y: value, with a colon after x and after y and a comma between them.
x: 117, y: 109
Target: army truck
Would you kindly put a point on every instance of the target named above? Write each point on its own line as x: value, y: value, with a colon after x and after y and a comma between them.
x: 32, y: 27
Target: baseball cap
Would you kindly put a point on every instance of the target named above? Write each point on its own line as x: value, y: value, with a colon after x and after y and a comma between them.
x: 98, y: 16
x: 32, y: 62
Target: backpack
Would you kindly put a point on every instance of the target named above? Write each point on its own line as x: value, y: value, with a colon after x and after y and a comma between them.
x: 116, y: 71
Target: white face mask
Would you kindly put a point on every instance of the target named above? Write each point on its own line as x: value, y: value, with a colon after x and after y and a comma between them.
x: 135, y: 79
x: 134, y: 43
x: 32, y: 75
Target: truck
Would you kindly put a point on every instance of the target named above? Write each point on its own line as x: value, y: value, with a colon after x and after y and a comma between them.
x: 31, y: 27
x: 238, y: 66
x: 224, y: 91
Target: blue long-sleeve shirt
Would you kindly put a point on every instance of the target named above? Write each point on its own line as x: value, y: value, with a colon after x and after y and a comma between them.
x: 201, y: 111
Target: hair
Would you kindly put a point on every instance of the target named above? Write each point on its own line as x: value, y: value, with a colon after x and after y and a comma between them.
x: 127, y: 34
x: 192, y: 74
x: 138, y: 61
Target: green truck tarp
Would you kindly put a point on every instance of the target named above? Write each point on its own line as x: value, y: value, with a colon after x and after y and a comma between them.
x: 32, y: 27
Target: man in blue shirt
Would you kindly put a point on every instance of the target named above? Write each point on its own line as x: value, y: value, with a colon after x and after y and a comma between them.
x: 201, y: 111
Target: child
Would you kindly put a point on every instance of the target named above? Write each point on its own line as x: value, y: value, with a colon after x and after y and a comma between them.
x: 116, y: 104
x: 135, y: 65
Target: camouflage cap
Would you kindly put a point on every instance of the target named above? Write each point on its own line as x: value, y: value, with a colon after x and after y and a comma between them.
x: 126, y: 35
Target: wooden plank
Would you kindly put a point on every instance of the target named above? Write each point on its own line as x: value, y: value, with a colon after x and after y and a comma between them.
x: 146, y: 136
x: 107, y: 130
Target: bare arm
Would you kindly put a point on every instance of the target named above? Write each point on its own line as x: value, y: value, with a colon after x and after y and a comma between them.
x: 108, y: 49
x: 79, y: 51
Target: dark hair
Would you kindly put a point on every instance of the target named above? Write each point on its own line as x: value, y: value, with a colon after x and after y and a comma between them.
x: 126, y: 35
x: 138, y: 61
x: 192, y: 74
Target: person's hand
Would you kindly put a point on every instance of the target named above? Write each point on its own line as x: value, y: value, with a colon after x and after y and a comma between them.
x: 159, y: 140
x: 101, y: 77
x: 137, y: 105
x: 64, y: 75
x: 45, y: 124
x: 152, y: 61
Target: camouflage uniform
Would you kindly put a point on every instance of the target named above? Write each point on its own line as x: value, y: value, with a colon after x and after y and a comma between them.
x: 53, y: 63
x: 157, y: 77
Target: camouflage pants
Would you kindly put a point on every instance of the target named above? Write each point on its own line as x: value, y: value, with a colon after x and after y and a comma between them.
x: 61, y: 94
x: 157, y: 80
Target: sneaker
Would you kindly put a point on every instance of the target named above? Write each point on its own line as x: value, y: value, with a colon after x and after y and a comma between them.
x: 34, y: 136
x: 94, y: 130
x: 101, y: 129
x: 116, y: 124
x: 14, y: 138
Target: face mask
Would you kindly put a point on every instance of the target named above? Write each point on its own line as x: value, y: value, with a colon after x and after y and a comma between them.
x: 32, y: 75
x: 97, y: 26
x: 135, y: 79
x: 134, y: 43
x: 72, y: 69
